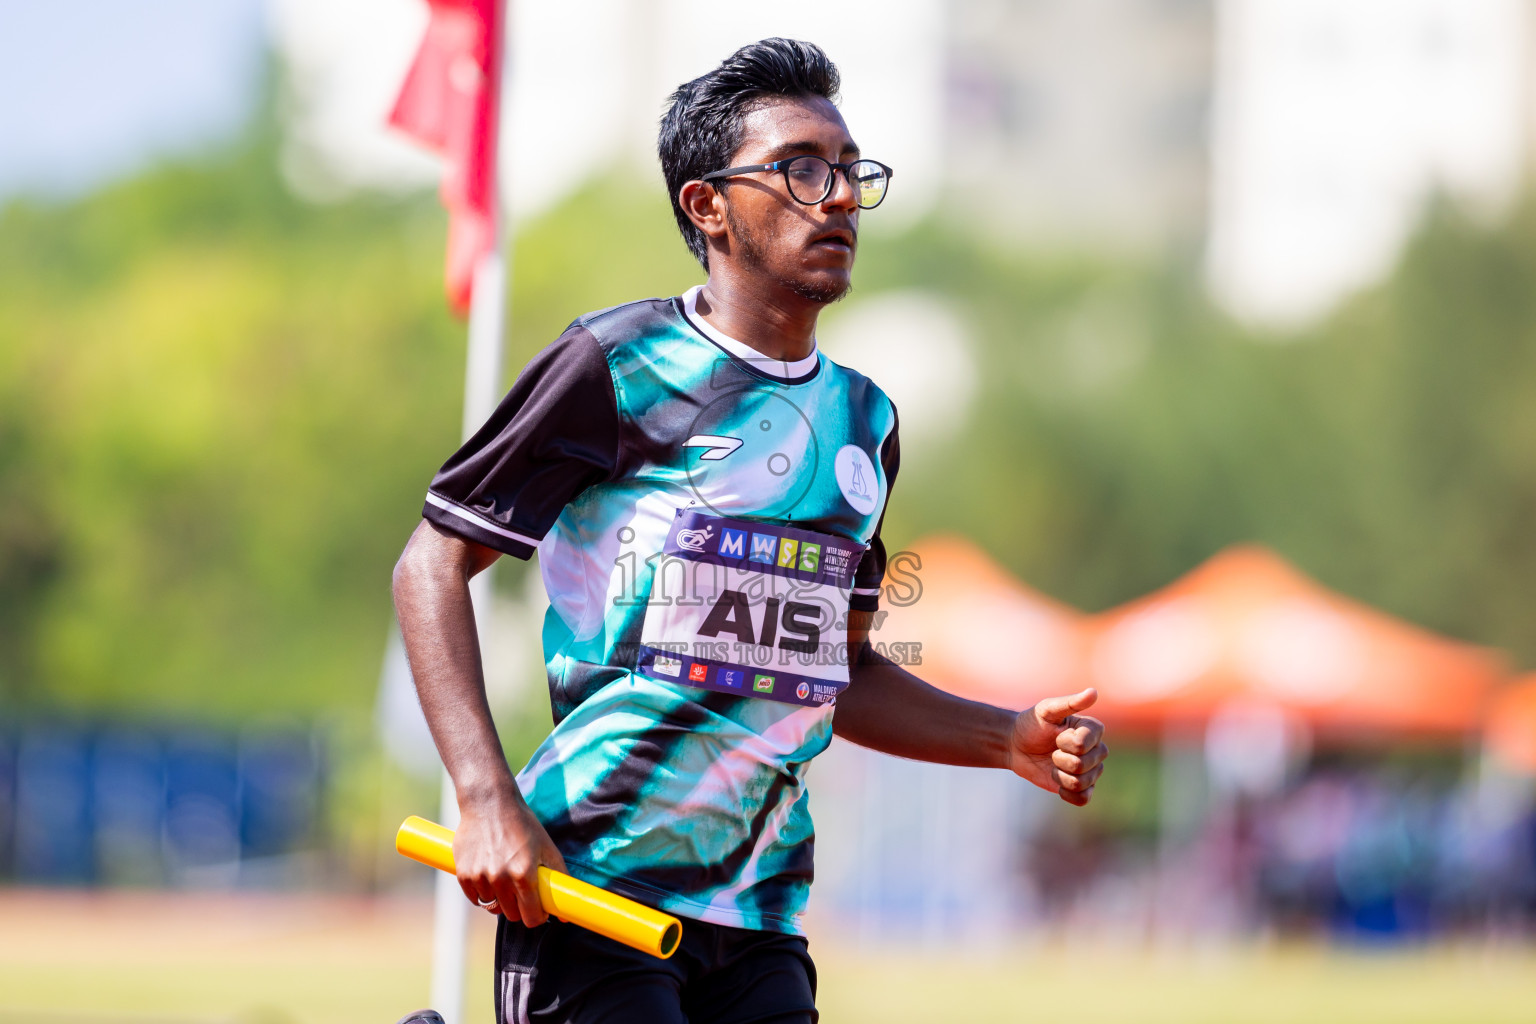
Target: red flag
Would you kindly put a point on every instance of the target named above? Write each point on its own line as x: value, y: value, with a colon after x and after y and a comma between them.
x: 448, y: 102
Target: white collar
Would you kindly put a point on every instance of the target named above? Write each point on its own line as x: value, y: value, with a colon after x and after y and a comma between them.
x: 741, y: 350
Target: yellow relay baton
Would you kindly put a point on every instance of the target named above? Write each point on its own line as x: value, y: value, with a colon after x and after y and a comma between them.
x: 569, y: 899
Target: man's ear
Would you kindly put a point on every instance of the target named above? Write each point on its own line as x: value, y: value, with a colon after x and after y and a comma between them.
x: 703, y: 204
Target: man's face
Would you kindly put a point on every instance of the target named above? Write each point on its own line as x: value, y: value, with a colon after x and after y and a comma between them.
x: 809, y: 249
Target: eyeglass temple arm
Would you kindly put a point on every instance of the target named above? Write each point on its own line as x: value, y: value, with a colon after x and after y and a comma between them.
x: 741, y: 170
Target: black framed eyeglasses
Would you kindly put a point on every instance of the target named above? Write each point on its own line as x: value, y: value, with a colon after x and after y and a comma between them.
x: 810, y: 179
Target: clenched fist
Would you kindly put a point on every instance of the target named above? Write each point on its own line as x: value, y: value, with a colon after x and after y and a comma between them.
x: 1059, y: 750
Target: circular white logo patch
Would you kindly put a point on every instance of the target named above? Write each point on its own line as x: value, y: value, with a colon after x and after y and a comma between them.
x: 856, y: 478
x: 803, y: 690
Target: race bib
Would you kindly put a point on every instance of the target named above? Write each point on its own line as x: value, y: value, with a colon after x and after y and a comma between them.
x: 751, y: 609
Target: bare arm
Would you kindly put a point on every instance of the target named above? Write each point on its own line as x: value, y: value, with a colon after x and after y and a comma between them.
x: 500, y: 844
x: 886, y: 708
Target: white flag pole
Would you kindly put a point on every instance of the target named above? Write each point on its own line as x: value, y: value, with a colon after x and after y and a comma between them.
x: 482, y: 390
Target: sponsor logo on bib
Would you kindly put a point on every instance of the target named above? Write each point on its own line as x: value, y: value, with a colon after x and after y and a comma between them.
x: 824, y: 694
x: 787, y: 548
x: 810, y: 557
x: 803, y: 690
x: 762, y: 684
x: 695, y: 540
x: 764, y: 547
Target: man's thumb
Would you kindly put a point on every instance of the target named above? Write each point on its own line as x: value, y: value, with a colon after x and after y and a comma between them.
x: 1057, y: 710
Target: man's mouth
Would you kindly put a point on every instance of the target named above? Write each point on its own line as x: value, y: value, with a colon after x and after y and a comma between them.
x: 840, y: 240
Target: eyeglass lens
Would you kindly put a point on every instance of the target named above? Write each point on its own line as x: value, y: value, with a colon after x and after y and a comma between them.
x: 810, y: 180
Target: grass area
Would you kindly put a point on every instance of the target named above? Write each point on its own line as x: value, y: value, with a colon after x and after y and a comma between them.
x: 1087, y: 985
x: 77, y: 958
x: 151, y: 958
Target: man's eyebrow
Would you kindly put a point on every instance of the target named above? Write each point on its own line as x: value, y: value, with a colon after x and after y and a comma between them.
x: 789, y: 149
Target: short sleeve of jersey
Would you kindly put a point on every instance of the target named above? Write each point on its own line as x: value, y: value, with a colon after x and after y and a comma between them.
x: 871, y: 571
x: 555, y: 434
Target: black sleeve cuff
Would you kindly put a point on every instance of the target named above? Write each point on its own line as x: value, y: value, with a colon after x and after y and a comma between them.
x: 864, y: 602
x: 472, y: 526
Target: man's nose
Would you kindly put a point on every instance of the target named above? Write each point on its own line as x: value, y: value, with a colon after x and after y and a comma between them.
x: 842, y: 196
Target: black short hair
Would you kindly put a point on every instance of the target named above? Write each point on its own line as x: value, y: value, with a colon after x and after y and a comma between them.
x: 702, y: 129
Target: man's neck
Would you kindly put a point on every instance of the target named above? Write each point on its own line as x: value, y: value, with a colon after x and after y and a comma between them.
x: 774, y: 321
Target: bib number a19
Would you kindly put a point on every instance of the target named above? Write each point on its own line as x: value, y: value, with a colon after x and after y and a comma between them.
x: 751, y: 609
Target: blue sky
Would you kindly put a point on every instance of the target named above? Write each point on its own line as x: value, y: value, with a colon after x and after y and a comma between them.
x: 94, y: 89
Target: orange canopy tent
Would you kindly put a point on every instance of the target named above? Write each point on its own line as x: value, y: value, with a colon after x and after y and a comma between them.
x: 984, y: 635
x: 1247, y: 626
x: 1510, y: 734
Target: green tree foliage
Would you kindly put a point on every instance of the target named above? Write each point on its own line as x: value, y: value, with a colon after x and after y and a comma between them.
x: 219, y: 410
x: 234, y: 397
x: 1126, y: 431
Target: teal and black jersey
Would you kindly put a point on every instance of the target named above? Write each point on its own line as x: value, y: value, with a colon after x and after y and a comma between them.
x: 704, y: 517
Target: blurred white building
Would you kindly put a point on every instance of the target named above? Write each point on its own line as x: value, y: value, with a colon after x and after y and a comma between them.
x: 1076, y: 123
x: 1335, y: 121
x: 1299, y: 139
x: 1080, y: 124
x: 589, y: 81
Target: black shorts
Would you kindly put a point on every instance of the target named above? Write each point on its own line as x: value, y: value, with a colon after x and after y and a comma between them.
x: 561, y: 974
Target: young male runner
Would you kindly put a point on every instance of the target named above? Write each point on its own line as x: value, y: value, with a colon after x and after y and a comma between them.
x: 705, y: 491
